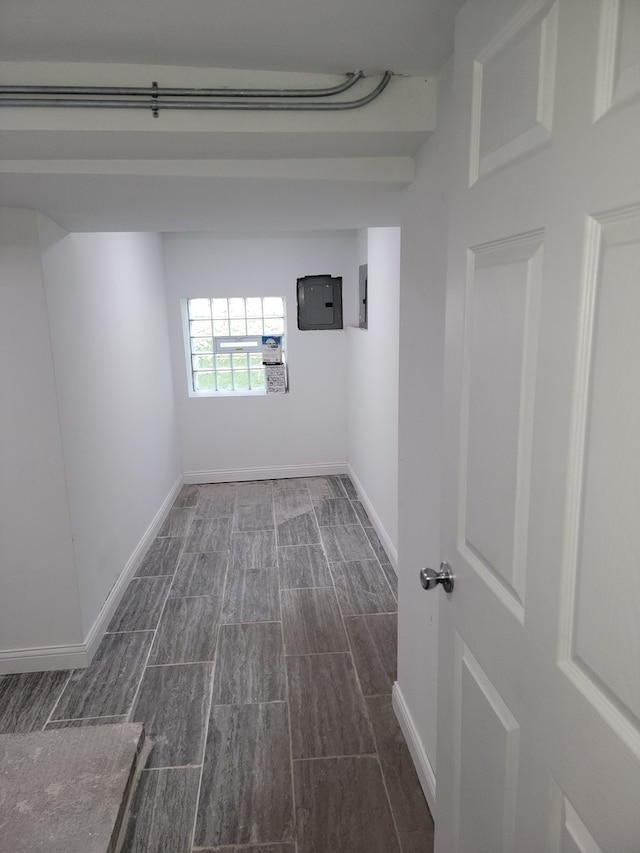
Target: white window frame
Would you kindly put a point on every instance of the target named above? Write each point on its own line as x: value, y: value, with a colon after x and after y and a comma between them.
x: 225, y: 345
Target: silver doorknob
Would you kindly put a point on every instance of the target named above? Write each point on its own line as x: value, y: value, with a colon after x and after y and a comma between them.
x: 429, y: 579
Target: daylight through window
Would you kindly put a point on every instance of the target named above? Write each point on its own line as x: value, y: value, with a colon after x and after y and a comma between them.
x: 225, y: 341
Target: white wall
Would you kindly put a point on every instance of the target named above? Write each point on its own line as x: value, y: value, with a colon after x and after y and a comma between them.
x: 110, y: 347
x: 422, y: 317
x: 372, y: 396
x: 304, y: 431
x: 39, y: 605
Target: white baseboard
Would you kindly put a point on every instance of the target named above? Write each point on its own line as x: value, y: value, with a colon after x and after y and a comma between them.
x: 79, y: 655
x: 423, y: 766
x: 72, y: 656
x: 231, y: 475
x: 131, y: 567
x: 387, y: 544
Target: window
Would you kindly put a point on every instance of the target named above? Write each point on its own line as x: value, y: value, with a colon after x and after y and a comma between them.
x: 225, y: 341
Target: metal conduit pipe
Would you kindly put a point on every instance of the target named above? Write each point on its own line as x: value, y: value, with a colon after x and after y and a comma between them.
x: 155, y: 104
x: 156, y: 91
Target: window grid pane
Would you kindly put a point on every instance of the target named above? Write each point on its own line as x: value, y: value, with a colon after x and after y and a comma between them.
x: 221, y: 317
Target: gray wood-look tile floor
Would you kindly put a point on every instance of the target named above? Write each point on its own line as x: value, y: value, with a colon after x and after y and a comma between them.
x: 258, y: 644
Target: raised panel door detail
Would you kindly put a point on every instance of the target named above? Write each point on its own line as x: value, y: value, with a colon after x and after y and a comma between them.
x: 513, y: 90
x: 501, y: 340
x: 488, y: 737
x: 575, y: 835
x: 600, y: 616
x: 618, y: 78
x: 569, y: 833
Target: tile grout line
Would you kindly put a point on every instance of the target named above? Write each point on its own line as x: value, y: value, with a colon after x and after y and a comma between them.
x: 136, y: 695
x: 384, y: 574
x: 294, y: 816
x: 170, y: 767
x: 335, y: 757
x: 192, y: 835
x: 132, y: 705
x: 88, y: 719
x: 375, y: 739
x: 179, y: 663
x: 366, y: 709
x: 386, y: 787
x: 377, y: 558
x: 57, y: 702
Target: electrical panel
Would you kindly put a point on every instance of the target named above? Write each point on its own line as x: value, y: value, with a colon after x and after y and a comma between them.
x: 319, y: 302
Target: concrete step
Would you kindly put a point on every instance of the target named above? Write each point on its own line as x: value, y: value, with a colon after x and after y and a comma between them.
x: 67, y: 790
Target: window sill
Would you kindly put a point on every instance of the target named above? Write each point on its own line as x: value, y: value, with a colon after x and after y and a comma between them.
x: 208, y: 394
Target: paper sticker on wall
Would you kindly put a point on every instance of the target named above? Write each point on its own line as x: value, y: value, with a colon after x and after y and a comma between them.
x: 276, y: 378
x: 272, y: 349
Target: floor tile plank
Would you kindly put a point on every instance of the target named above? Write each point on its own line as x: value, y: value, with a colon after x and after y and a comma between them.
x: 301, y: 529
x: 161, y: 558
x: 361, y: 512
x: 332, y: 511
x: 392, y: 578
x: 208, y: 534
x: 346, y: 542
x: 419, y: 841
x: 162, y: 811
x: 107, y: 687
x: 254, y: 492
x: 311, y: 622
x: 200, y: 574
x: 254, y: 517
x: 173, y: 704
x: 177, y: 522
x: 210, y: 490
x: 188, y: 496
x: 215, y: 505
x: 377, y: 545
x: 349, y: 488
x: 303, y: 566
x: 253, y: 550
x: 290, y: 484
x: 187, y: 631
x: 250, y: 664
x: 362, y: 587
x: 141, y: 605
x: 341, y: 804
x: 291, y: 503
x: 251, y: 596
x: 246, y: 795
x: 326, y: 487
x: 27, y: 699
x: 328, y: 714
x: 373, y: 641
x: 405, y: 794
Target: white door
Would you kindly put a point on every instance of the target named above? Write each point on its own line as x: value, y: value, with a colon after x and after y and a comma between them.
x: 539, y: 671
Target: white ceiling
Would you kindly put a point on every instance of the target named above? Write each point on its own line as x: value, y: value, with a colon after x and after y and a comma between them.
x: 412, y: 37
x: 408, y: 37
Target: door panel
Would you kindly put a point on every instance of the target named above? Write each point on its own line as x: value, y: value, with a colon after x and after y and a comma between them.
x: 501, y: 331
x: 513, y: 88
x: 618, y: 80
x: 601, y: 618
x: 488, y: 736
x: 539, y: 675
x: 572, y: 835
